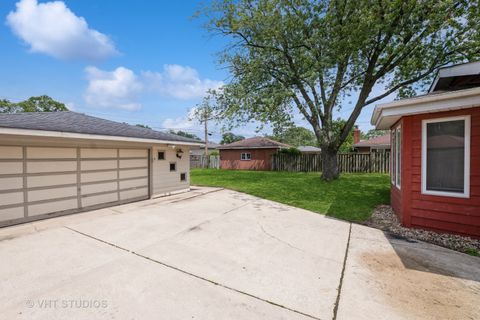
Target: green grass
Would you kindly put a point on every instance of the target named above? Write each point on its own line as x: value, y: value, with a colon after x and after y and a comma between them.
x: 352, y: 197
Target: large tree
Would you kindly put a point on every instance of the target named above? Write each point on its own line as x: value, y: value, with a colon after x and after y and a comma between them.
x: 313, y: 56
x: 33, y: 104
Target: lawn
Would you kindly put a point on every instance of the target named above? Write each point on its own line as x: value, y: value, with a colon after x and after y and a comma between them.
x: 352, y: 197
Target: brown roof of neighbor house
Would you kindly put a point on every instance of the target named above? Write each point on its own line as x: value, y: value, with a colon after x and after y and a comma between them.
x: 255, y: 143
x: 375, y: 142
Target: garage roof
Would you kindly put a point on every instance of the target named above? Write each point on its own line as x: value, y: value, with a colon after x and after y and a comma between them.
x: 73, y: 122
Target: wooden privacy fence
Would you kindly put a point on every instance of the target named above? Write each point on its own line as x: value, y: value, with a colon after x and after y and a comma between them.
x: 347, y: 162
x: 201, y: 161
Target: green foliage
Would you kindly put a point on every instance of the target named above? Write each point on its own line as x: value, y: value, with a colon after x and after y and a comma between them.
x: 351, y: 198
x: 347, y: 145
x: 184, y: 134
x: 229, y: 137
x: 295, y: 136
x: 33, y: 104
x: 372, y: 133
x: 215, y: 153
x: 142, y: 126
x: 291, y: 151
x: 310, y: 57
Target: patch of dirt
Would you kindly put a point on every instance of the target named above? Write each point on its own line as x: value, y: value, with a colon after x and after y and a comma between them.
x: 421, y: 295
x: 385, y: 219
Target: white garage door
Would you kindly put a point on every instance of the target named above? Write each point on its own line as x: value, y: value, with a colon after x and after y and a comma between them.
x: 36, y: 182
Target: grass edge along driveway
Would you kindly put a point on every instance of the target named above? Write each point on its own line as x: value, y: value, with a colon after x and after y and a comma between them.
x: 352, y: 197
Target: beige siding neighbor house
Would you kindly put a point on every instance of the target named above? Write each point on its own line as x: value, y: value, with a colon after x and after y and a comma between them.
x: 57, y: 163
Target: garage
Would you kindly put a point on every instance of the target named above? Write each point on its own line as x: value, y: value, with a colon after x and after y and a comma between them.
x: 44, y: 180
x: 64, y: 174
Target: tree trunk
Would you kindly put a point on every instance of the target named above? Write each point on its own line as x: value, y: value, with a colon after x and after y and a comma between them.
x: 329, y: 164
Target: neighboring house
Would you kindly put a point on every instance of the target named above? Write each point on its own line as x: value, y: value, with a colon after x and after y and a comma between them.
x: 249, y: 154
x: 200, y: 150
x: 436, y: 153
x: 309, y: 150
x: 55, y: 163
x: 377, y: 144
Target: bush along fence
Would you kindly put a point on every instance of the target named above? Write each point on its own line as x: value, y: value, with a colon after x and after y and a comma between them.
x: 201, y: 162
x: 347, y: 162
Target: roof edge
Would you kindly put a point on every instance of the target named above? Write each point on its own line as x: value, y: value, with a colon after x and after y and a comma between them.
x: 401, y: 106
x: 72, y: 135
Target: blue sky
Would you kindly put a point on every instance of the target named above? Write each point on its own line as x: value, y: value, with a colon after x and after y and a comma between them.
x: 138, y: 62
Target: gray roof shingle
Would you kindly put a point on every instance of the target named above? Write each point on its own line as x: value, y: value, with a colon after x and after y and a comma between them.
x: 73, y: 122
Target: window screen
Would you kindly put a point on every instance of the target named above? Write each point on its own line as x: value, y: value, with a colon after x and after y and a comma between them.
x: 183, y: 176
x: 445, y: 156
x: 173, y: 166
x: 161, y: 155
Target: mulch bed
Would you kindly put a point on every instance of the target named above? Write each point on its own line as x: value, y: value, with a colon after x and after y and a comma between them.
x: 385, y: 219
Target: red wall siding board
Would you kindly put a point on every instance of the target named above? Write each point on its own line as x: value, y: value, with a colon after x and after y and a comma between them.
x: 443, y: 226
x: 261, y: 159
x: 439, y: 213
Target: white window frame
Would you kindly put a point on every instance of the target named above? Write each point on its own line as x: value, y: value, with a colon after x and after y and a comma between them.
x: 466, y: 172
x: 396, y: 155
x: 243, y: 156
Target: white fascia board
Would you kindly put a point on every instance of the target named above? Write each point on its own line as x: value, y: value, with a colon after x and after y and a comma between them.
x: 71, y: 135
x: 385, y: 115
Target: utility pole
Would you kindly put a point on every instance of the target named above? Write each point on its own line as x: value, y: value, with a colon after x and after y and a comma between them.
x: 205, y: 123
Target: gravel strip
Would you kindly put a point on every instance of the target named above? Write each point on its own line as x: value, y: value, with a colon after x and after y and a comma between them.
x: 385, y: 219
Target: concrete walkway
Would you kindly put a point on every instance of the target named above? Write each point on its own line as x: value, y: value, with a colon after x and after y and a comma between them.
x: 220, y: 254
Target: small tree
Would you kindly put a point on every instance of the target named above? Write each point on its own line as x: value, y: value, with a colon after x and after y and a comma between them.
x: 310, y: 56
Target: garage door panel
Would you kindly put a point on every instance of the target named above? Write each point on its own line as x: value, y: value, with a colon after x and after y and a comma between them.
x: 135, y: 183
x: 11, y: 183
x: 98, y: 176
x: 12, y: 213
x: 52, y: 206
x: 134, y: 173
x: 11, y: 198
x: 99, y: 187
x: 51, y: 180
x: 11, y: 167
x: 66, y: 180
x: 98, y: 165
x: 53, y: 193
x: 133, y: 153
x: 136, y: 193
x: 51, y: 166
x: 99, y: 199
x: 51, y: 153
x: 98, y: 153
x: 11, y: 152
x: 133, y: 163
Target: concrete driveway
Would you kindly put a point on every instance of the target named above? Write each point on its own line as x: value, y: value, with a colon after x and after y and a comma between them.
x: 219, y: 254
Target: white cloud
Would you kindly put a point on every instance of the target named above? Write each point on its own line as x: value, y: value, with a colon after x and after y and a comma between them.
x: 52, y: 28
x: 180, y: 82
x: 180, y: 122
x: 113, y: 89
x: 121, y: 87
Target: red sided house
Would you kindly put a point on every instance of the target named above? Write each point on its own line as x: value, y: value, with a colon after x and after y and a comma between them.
x: 249, y: 154
x: 435, y: 166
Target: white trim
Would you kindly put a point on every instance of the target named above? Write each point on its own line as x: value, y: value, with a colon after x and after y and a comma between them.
x: 245, y: 153
x: 71, y: 135
x: 466, y: 174
x: 385, y: 115
x: 398, y: 156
